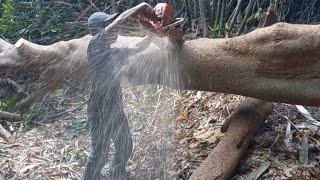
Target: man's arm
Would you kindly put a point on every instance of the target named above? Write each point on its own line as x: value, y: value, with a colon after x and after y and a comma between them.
x: 144, y: 10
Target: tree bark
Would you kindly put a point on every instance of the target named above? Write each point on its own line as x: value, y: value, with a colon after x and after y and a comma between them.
x: 243, y: 123
x: 279, y: 63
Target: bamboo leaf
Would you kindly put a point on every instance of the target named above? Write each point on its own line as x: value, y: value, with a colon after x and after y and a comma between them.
x: 258, y: 172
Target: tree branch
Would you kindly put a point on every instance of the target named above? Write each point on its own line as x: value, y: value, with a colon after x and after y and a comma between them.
x: 13, y: 117
x: 244, y: 122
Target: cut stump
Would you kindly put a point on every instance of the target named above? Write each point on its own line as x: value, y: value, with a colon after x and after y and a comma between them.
x: 6, y: 135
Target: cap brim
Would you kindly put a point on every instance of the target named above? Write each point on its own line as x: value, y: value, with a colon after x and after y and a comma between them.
x: 111, y: 17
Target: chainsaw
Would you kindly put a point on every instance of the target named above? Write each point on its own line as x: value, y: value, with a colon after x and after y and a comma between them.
x: 166, y: 23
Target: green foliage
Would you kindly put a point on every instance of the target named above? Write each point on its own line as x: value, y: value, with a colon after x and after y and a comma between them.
x: 218, y: 31
x: 71, y: 155
x: 6, y: 22
x: 78, y: 128
x: 254, y: 16
x: 40, y: 22
x: 8, y: 104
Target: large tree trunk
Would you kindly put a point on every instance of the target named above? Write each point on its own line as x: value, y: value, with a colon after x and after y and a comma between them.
x: 279, y: 63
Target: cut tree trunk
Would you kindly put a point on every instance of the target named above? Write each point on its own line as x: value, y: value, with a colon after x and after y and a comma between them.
x: 10, y: 116
x: 280, y: 63
x: 6, y: 135
x: 56, y: 63
x: 240, y: 128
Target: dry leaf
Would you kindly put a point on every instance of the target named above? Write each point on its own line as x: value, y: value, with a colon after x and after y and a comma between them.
x: 184, y: 114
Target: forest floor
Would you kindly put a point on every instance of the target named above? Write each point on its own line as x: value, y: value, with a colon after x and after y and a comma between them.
x: 173, y: 133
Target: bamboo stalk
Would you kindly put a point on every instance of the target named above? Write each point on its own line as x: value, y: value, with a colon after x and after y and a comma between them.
x: 247, y: 11
x: 229, y: 5
x: 222, y: 16
x: 218, y: 11
x: 213, y: 9
x: 204, y: 16
x: 195, y: 9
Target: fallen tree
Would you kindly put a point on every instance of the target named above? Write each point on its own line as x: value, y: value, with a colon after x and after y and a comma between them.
x: 279, y: 63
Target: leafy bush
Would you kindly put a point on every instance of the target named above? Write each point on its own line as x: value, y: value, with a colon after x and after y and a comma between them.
x: 42, y: 22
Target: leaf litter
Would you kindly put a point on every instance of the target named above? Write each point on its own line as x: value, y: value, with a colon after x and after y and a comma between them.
x: 173, y: 132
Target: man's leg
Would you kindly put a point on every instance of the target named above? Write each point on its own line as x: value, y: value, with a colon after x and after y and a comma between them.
x: 100, y: 140
x: 123, y: 146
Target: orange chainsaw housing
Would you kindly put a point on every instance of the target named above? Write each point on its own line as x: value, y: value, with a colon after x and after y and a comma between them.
x: 165, y: 12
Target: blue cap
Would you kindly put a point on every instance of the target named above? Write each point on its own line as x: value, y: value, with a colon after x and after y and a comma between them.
x: 100, y: 20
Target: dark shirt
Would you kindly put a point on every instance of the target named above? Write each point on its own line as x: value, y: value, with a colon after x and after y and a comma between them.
x: 105, y: 65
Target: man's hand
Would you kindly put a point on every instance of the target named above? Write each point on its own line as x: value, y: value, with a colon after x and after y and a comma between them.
x: 144, y: 12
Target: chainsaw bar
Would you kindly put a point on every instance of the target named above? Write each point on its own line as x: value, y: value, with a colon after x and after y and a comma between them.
x: 173, y: 25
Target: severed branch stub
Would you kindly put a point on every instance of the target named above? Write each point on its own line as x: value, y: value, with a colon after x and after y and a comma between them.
x: 6, y: 135
x: 240, y: 128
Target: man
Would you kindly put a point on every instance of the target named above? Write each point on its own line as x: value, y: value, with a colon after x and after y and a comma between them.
x: 105, y: 109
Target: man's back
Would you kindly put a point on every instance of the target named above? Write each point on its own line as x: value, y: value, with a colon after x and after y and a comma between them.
x: 105, y: 64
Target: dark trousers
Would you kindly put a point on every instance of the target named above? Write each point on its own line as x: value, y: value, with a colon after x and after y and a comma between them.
x: 108, y: 121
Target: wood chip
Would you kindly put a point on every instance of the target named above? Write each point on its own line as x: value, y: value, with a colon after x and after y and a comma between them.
x: 303, y: 152
x: 258, y: 172
x: 7, y: 135
x: 288, y: 137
